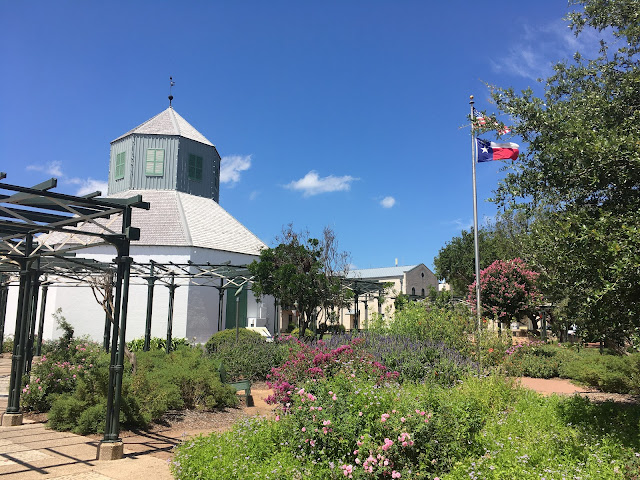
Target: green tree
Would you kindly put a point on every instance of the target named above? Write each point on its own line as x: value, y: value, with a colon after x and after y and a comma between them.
x: 501, y: 240
x: 298, y: 273
x: 579, y: 177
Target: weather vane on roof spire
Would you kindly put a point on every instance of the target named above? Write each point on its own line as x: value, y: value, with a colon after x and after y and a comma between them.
x: 171, y: 84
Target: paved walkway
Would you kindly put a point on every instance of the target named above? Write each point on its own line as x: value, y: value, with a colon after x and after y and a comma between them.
x: 29, y: 451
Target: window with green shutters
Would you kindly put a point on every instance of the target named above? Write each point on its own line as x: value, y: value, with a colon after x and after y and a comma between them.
x: 120, y: 160
x: 195, y: 167
x: 155, y: 162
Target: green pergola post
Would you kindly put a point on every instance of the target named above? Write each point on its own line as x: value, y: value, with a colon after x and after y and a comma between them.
x: 20, y: 337
x: 151, y: 280
x: 108, y: 317
x: 116, y: 367
x: 276, y: 320
x: 4, y: 293
x: 366, y: 312
x: 220, y: 303
x: 33, y: 315
x: 172, y: 291
x: 356, y: 312
x: 43, y: 304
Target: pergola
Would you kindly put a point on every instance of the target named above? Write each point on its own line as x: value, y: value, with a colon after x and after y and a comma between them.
x: 361, y: 287
x: 28, y: 216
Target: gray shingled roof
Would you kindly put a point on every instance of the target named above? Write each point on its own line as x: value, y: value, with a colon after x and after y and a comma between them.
x: 180, y: 219
x: 383, y: 272
x: 177, y: 218
x: 168, y: 122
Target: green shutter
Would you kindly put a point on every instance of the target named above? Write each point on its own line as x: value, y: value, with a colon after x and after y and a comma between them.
x: 195, y: 167
x: 155, y: 162
x: 120, y: 165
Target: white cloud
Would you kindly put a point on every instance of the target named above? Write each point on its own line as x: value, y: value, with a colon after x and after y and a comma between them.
x: 388, y: 202
x: 459, y: 224
x: 312, y: 184
x: 539, y: 48
x: 52, y: 168
x: 231, y: 166
x: 88, y: 185
x: 253, y: 195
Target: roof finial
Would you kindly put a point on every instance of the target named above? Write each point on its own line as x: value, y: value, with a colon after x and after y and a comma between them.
x: 171, y: 84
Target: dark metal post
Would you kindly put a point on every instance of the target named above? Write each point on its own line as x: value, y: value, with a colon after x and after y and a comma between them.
x: 276, y: 319
x: 43, y: 305
x: 116, y: 368
x: 108, y: 318
x: 356, y: 312
x: 544, y: 325
x: 172, y: 291
x: 220, y: 303
x: 106, y: 336
x: 151, y: 280
x: 366, y: 312
x: 20, y: 336
x: 237, y: 314
x: 4, y: 293
x: 33, y: 314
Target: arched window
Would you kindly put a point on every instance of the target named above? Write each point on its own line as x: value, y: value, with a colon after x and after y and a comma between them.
x: 413, y: 290
x: 423, y: 292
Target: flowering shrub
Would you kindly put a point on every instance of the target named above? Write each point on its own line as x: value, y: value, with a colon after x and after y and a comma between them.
x: 507, y: 290
x: 50, y: 376
x: 345, y: 427
x: 312, y: 362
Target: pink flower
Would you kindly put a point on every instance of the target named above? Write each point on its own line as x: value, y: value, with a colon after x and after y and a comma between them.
x: 395, y: 474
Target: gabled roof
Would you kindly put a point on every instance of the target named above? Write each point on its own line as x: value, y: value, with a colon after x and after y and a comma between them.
x: 384, y: 272
x: 168, y: 122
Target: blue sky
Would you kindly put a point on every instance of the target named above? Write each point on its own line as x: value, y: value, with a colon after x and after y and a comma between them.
x: 345, y: 113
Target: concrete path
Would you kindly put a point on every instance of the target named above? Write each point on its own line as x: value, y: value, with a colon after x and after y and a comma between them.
x: 30, y: 451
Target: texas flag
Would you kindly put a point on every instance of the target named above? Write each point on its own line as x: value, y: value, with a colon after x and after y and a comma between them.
x: 488, y: 151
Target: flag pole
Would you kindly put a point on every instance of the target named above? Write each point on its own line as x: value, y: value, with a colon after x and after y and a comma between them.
x: 475, y: 215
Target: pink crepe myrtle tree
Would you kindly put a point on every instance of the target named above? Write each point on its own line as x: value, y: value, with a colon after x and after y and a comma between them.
x: 508, y: 291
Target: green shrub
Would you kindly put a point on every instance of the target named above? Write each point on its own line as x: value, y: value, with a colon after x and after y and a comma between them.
x: 422, y: 321
x: 181, y: 379
x: 229, y: 335
x: 308, y: 333
x: 7, y: 344
x: 250, y: 358
x: 84, y: 409
x: 157, y: 343
x: 609, y: 373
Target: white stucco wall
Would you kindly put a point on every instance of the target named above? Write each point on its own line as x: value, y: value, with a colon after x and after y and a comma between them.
x: 195, y: 312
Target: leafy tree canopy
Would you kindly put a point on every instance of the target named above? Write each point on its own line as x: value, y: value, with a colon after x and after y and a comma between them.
x: 579, y: 178
x: 302, y: 272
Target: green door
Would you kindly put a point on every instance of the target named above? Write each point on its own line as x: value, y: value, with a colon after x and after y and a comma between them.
x: 231, y: 308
